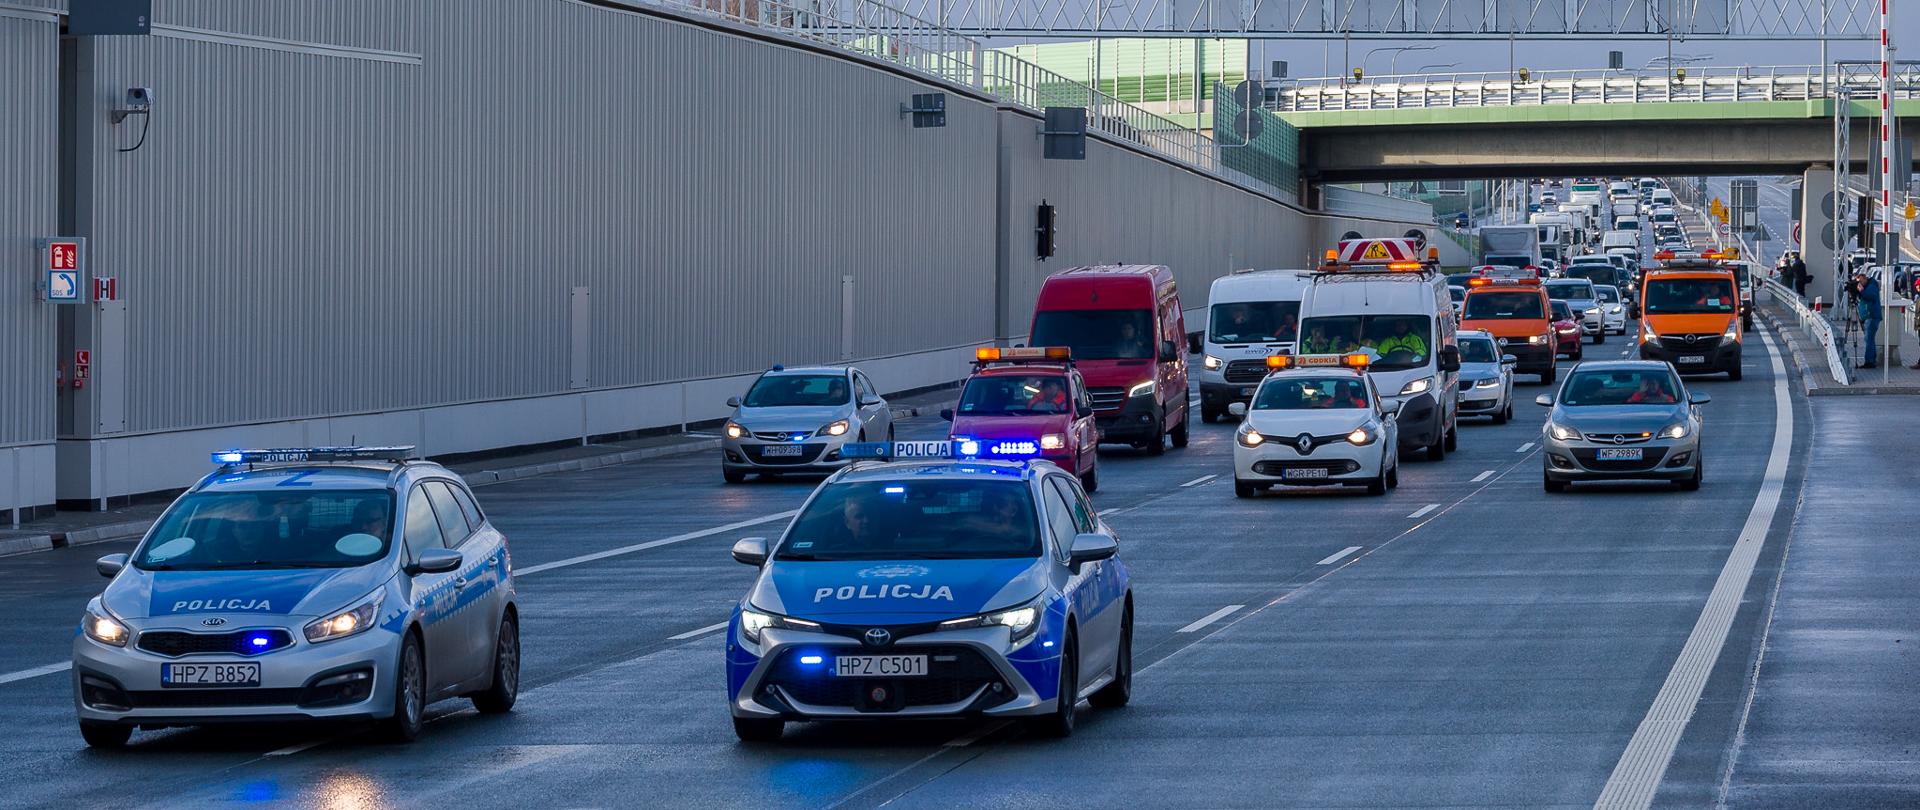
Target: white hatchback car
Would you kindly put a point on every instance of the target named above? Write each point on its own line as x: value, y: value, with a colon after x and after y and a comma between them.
x: 1316, y: 420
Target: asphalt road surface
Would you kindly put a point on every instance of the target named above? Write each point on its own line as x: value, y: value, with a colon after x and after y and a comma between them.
x: 1467, y: 640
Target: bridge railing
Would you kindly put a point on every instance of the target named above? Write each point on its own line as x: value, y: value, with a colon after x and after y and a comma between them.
x: 1790, y: 83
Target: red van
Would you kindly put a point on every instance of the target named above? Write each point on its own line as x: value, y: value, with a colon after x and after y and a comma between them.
x: 1124, y: 325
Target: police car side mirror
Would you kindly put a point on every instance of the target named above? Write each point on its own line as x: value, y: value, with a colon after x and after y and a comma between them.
x: 1390, y: 408
x: 1169, y: 352
x: 733, y: 402
x: 110, y: 565
x: 750, y: 551
x: 1091, y: 547
x: 947, y: 414
x: 1544, y: 399
x: 1699, y: 397
x: 1237, y: 409
x: 436, y: 561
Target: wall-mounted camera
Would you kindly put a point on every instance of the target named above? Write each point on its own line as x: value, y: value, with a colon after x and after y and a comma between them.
x: 139, y: 101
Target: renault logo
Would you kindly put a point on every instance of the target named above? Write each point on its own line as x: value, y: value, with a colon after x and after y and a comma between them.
x: 1303, y: 443
x: 877, y: 637
x: 213, y: 622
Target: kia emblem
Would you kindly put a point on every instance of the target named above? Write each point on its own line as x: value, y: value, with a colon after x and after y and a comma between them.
x: 213, y: 622
x: 877, y: 637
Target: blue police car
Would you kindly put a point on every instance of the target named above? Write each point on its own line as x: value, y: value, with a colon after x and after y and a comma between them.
x: 329, y: 583
x: 979, y: 585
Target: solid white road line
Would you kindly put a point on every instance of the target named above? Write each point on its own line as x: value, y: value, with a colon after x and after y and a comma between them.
x: 1106, y: 512
x: 700, y: 632
x: 1524, y: 448
x: 36, y: 672
x: 1636, y: 777
x: 295, y: 749
x: 1483, y: 476
x: 665, y: 541
x: 1422, y: 511
x: 1339, y: 555
x: 1201, y: 480
x: 1210, y: 618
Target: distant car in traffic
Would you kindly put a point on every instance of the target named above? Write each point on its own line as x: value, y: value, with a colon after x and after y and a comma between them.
x: 1622, y: 420
x: 979, y: 586
x: 1031, y: 394
x: 1486, y: 377
x: 1583, y: 302
x: 794, y: 420
x: 1566, y: 331
x: 336, y: 584
x: 1613, y: 308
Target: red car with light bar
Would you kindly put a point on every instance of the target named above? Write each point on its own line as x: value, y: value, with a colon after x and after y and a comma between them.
x: 1031, y: 394
x: 1124, y: 326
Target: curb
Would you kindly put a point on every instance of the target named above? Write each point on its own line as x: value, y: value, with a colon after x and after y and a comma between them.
x: 24, y: 545
x: 1809, y: 378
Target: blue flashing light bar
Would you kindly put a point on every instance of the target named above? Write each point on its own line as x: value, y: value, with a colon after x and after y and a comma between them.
x: 961, y: 447
x: 297, y: 455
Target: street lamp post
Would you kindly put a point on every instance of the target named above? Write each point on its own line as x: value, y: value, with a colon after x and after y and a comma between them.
x: 1396, y: 50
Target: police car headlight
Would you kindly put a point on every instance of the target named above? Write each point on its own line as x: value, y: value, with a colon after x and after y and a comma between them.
x: 1021, y: 622
x: 1677, y: 430
x: 1563, y: 433
x: 753, y: 621
x: 352, y: 621
x: 1418, y: 386
x: 1248, y: 437
x: 1052, y: 441
x: 1361, y: 435
x: 1141, y: 390
x: 1212, y: 363
x: 104, y: 628
x: 735, y: 431
x: 834, y: 428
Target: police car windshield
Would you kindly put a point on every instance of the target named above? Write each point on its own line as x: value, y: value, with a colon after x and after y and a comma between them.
x: 1397, y: 342
x: 1097, y: 334
x: 1494, y: 306
x: 918, y: 519
x: 1479, y: 350
x: 1255, y: 322
x: 1015, y: 396
x: 1315, y: 393
x: 1689, y: 295
x: 1650, y: 387
x: 211, y: 531
x: 787, y: 390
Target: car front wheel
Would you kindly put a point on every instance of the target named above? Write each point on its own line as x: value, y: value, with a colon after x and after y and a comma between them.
x: 105, y: 735
x: 1060, y: 722
x: 409, y: 693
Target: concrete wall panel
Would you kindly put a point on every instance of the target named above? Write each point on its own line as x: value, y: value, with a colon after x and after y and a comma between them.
x: 29, y: 132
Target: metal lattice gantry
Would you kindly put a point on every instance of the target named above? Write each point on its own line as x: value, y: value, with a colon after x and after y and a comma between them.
x: 1401, y: 19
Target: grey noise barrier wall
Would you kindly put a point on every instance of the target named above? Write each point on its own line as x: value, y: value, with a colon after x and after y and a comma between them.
x: 387, y: 221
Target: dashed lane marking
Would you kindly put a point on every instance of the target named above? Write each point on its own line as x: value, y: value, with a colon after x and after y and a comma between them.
x: 1524, y: 448
x: 700, y: 632
x: 1339, y: 555
x: 1210, y: 618
x: 1483, y: 476
x: 1198, y: 481
x: 1422, y: 511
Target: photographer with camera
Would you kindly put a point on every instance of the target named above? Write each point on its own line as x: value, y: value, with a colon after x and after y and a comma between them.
x: 1865, y: 292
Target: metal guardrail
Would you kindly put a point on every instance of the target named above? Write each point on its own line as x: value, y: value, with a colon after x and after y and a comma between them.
x: 1445, y: 90
x: 881, y: 32
x: 1813, y: 321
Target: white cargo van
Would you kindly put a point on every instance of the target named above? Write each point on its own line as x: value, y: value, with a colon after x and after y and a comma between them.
x: 1250, y: 314
x: 1354, y: 307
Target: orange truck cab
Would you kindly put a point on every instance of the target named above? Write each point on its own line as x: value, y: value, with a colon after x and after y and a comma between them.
x: 1690, y: 317
x: 1124, y: 326
x: 1516, y: 312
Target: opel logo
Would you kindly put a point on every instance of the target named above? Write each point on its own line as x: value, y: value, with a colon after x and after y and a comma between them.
x: 1304, y: 443
x: 877, y: 637
x: 1620, y: 438
x: 1692, y: 338
x: 213, y: 622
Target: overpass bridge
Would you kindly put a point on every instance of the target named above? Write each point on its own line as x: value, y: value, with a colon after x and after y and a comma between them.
x: 1716, y: 121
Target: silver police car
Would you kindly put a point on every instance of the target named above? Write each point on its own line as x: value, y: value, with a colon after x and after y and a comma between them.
x: 1623, y: 420
x: 297, y: 584
x: 794, y: 420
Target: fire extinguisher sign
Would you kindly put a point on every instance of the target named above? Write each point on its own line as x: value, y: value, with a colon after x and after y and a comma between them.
x: 64, y: 268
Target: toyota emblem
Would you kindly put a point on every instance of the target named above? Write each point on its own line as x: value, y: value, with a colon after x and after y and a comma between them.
x: 877, y: 637
x: 1303, y: 443
x: 213, y: 622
